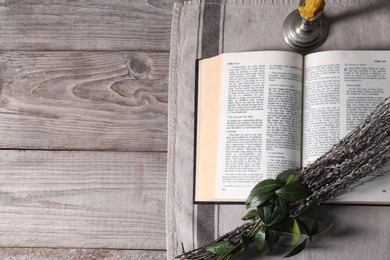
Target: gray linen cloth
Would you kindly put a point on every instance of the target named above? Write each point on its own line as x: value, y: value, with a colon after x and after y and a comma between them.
x: 204, y: 28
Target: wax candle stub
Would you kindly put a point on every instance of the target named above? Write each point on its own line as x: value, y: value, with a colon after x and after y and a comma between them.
x: 311, y: 8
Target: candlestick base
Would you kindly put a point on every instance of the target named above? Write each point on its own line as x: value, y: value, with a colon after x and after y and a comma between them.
x: 305, y: 35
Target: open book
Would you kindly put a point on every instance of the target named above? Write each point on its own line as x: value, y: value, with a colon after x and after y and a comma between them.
x: 260, y: 113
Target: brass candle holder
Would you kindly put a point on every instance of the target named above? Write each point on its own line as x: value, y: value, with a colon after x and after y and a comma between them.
x: 303, y: 34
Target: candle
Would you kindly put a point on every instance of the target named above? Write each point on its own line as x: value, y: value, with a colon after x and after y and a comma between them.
x: 311, y: 8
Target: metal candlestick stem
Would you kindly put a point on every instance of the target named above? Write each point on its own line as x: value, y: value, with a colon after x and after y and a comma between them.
x: 305, y: 34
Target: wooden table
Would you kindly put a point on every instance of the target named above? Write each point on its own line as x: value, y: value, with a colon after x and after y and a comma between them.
x: 83, y: 133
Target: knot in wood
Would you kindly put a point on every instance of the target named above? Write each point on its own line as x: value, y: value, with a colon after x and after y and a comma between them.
x: 138, y: 68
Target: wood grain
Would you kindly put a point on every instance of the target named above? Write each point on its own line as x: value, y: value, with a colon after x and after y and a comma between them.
x: 78, y: 254
x: 82, y: 199
x: 85, y: 25
x: 84, y: 100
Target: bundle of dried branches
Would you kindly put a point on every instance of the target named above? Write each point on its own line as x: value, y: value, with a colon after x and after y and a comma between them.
x: 365, y: 149
x: 349, y: 162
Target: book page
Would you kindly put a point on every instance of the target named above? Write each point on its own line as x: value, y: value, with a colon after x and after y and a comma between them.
x: 260, y: 120
x: 208, y: 96
x: 340, y: 89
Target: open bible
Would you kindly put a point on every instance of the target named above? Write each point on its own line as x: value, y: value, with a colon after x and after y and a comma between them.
x: 260, y: 113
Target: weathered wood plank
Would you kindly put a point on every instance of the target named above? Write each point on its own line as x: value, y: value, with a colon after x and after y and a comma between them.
x: 84, y: 100
x: 85, y: 25
x: 78, y: 254
x: 82, y: 199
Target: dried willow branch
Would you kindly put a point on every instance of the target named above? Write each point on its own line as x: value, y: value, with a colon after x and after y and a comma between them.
x: 365, y: 149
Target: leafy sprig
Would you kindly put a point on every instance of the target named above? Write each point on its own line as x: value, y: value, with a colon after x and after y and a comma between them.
x: 274, y: 225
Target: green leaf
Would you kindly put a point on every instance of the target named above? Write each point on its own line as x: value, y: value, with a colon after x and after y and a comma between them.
x: 245, y: 241
x: 275, y: 218
x: 295, y: 233
x: 265, y: 187
x: 291, y: 179
x: 263, y: 191
x: 250, y: 215
x: 284, y: 225
x: 303, y: 226
x: 221, y: 248
x: 281, y: 205
x: 293, y: 192
x: 284, y: 176
x: 280, y: 212
x: 297, y: 249
x: 260, y: 238
x: 260, y: 199
x: 248, y: 202
x: 265, y: 212
x: 272, y: 238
